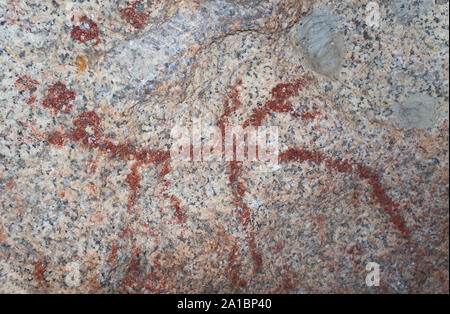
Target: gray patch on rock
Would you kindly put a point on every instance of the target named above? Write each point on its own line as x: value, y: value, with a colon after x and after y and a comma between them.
x: 322, y: 45
x: 406, y: 10
x: 419, y: 111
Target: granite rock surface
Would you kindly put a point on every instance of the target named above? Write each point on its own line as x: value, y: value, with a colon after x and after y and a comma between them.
x: 92, y: 201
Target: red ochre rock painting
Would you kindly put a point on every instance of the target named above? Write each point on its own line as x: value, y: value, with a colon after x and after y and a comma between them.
x: 87, y: 133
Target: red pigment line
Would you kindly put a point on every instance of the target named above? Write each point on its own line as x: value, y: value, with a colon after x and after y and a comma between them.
x: 58, y: 97
x: 134, y: 15
x: 391, y: 208
x: 231, y: 103
x: 87, y: 31
x: 238, y: 189
x: 279, y: 102
x: 234, y: 267
x: 112, y: 259
x: 88, y: 134
x: 133, y: 180
x: 179, y: 214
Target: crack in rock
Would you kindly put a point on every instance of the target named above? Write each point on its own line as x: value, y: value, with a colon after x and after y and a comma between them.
x: 158, y: 63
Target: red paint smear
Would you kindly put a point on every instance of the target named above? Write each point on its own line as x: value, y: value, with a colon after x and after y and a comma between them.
x: 132, y: 14
x: 133, y: 279
x: 165, y: 169
x: 31, y: 100
x: 38, y: 273
x: 10, y: 184
x: 391, y: 208
x: 238, y: 189
x: 288, y: 279
x: 257, y: 258
x: 179, y: 213
x: 301, y: 155
x: 83, y: 33
x: 25, y: 82
x: 355, y: 252
x: 231, y: 103
x: 133, y: 180
x: 58, y: 97
x: 113, y: 257
x: 279, y: 103
x: 56, y: 138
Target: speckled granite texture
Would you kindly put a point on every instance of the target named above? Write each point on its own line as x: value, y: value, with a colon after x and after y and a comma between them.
x: 91, y: 201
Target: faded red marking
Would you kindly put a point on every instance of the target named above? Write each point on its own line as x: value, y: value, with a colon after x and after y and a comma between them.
x: 15, y: 4
x: 391, y: 208
x: 278, y: 247
x: 10, y: 183
x: 165, y: 168
x: 133, y: 278
x: 38, y: 272
x: 355, y: 254
x: 179, y: 213
x: 14, y: 12
x: 301, y: 155
x: 234, y: 266
x: 24, y: 82
x: 31, y: 100
x: 88, y: 30
x: 257, y: 257
x: 279, y: 103
x: 114, y: 256
x: 133, y: 180
x: 287, y: 278
x: 238, y: 189
x: 134, y: 14
x: 231, y: 103
x: 58, y: 97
